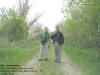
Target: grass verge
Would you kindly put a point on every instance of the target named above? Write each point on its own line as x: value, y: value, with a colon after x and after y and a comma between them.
x: 87, y: 60
x: 18, y: 54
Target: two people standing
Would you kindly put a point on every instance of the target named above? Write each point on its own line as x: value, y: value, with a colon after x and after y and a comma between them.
x: 58, y: 41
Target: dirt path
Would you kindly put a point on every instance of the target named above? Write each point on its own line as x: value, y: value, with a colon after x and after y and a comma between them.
x: 34, y: 64
x: 67, y: 66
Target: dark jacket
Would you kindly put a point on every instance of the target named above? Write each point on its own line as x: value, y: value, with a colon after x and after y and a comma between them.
x: 58, y: 37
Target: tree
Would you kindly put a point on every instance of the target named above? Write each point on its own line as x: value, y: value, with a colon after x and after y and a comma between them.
x: 23, y: 10
x: 82, y: 25
x: 13, y: 27
x: 14, y: 24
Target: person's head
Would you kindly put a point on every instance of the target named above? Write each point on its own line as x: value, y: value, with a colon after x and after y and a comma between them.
x: 57, y: 28
x: 45, y: 29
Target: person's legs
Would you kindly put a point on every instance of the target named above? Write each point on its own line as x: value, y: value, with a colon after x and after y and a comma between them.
x: 56, y: 51
x: 46, y: 50
x: 41, y: 51
x: 59, y: 53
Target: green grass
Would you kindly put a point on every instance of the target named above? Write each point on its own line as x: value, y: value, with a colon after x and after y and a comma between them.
x: 18, y: 54
x: 87, y: 60
x: 24, y: 51
x: 50, y: 67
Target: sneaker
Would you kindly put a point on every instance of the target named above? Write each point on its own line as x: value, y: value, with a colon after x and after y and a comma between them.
x: 46, y: 59
x: 59, y: 61
x: 40, y: 60
x: 55, y: 60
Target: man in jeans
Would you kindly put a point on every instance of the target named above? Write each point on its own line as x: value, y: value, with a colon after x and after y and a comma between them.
x: 58, y: 41
x: 44, y: 45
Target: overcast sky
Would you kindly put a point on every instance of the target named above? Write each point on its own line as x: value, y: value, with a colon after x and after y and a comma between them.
x: 50, y: 9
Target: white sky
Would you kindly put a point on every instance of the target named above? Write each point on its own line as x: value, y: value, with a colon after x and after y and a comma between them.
x: 50, y: 10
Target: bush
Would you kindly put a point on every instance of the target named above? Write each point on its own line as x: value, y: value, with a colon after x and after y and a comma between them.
x: 83, y: 26
x: 14, y: 28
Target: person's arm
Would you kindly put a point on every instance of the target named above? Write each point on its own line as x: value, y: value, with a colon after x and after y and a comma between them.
x: 49, y: 36
x: 40, y: 37
x: 49, y: 40
x: 61, y: 39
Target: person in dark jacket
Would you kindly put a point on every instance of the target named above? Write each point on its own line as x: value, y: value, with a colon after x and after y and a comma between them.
x: 58, y: 41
